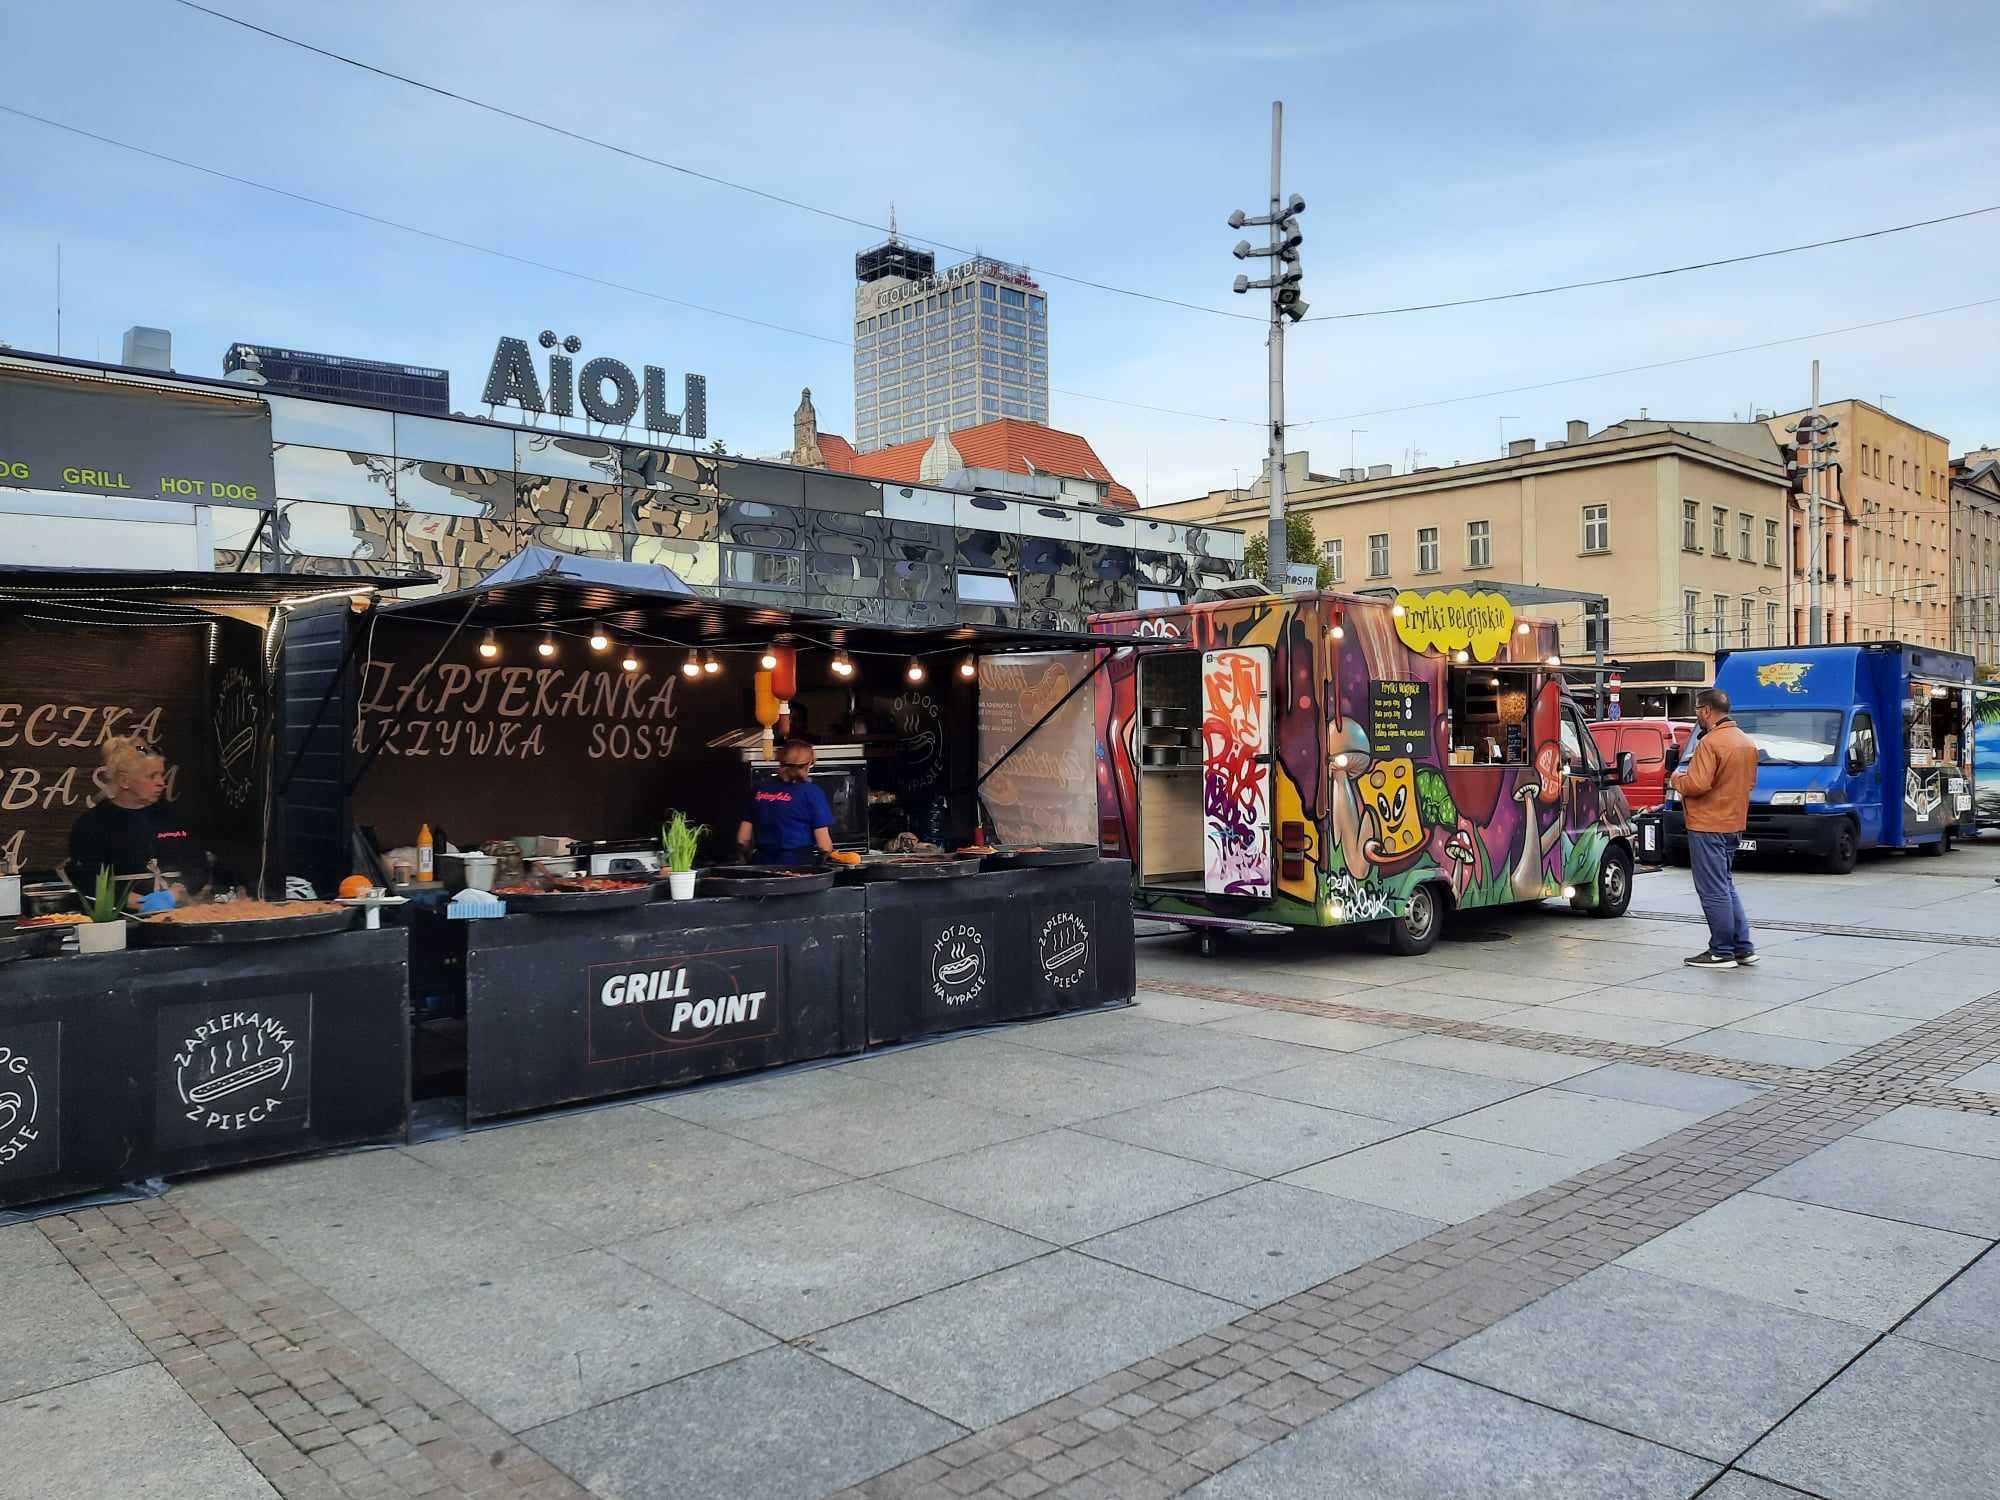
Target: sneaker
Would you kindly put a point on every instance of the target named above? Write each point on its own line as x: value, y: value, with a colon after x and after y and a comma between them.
x: 1707, y: 960
x: 1744, y: 960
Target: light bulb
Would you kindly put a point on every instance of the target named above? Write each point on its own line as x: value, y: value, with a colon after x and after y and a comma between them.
x: 968, y: 668
x: 1397, y: 611
x: 915, y: 672
x: 842, y: 667
x: 710, y: 665
x: 599, y: 641
x: 490, y: 647
x: 630, y: 663
x: 692, y: 666
x: 1555, y: 661
x: 1522, y: 628
x: 768, y: 661
x: 1339, y: 633
x: 1463, y: 656
x: 548, y: 645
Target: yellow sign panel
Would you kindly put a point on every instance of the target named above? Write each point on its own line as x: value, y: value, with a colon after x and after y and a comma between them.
x: 1453, y: 620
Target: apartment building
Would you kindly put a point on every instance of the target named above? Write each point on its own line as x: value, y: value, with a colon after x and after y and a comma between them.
x: 1975, y: 558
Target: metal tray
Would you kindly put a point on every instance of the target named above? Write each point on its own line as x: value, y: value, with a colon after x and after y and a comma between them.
x: 1041, y: 856
x: 909, y: 867
x: 572, y: 903
x: 761, y: 880
x: 140, y: 934
x: 1169, y: 718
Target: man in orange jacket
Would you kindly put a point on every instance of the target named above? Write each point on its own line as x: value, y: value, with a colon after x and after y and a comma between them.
x: 1715, y: 787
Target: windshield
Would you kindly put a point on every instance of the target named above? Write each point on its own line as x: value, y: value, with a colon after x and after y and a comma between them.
x: 1792, y: 736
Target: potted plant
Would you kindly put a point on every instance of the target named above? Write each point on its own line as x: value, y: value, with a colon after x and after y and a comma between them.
x: 678, y: 839
x: 105, y: 931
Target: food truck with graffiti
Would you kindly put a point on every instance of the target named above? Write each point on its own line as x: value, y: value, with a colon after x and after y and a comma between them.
x: 1322, y: 760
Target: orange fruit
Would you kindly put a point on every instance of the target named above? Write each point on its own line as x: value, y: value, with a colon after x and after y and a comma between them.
x: 355, y: 886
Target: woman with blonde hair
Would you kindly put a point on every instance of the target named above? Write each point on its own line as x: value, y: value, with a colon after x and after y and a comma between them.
x: 132, y: 825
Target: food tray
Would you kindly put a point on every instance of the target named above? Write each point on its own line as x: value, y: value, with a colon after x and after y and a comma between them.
x: 570, y: 903
x: 39, y: 942
x: 761, y: 880
x: 1039, y: 855
x: 140, y: 934
x: 908, y: 867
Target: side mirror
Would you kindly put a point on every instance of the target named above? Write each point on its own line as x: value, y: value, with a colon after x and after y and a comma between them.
x: 1628, y: 768
x: 1673, y: 758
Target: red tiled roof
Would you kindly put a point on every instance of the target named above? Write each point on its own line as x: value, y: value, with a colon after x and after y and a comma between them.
x: 1013, y: 445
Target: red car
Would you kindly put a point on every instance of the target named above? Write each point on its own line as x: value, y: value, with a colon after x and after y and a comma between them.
x: 1647, y: 739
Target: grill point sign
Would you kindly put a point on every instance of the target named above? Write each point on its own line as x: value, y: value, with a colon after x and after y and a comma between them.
x: 607, y: 389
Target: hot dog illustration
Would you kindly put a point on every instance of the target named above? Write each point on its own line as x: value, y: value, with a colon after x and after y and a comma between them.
x: 957, y: 969
x: 1057, y: 960
x: 230, y: 1082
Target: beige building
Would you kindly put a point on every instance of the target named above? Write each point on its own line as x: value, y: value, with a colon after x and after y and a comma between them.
x: 1887, y: 536
x: 1684, y: 534
x: 1975, y: 558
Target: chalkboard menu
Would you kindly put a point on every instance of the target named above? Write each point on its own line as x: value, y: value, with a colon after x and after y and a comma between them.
x: 1399, y: 717
x: 574, y: 745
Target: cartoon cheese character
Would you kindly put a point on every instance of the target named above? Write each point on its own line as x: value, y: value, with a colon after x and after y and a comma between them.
x: 1389, y: 790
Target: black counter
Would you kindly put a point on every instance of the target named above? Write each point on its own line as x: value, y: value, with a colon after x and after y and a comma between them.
x: 121, y: 1066
x: 944, y: 955
x: 566, y: 1008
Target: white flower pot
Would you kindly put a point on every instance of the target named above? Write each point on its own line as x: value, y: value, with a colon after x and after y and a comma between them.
x: 680, y: 884
x: 100, y: 937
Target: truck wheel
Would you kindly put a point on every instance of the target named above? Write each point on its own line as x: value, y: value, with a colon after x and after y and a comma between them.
x: 1614, y: 883
x: 1415, y: 932
x: 1839, y: 860
x: 1934, y: 850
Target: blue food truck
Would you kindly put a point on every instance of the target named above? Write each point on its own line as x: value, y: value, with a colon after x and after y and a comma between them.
x: 1859, y: 746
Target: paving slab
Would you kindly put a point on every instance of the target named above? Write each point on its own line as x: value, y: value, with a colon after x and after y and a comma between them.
x: 1756, y: 1047
x: 1186, y: 1010
x: 1190, y: 1056
x: 1522, y: 1064
x: 1964, y: 1316
x: 1941, y: 1189
x: 55, y: 1329
x: 1427, y: 1436
x: 821, y: 1258
x: 1736, y: 1485
x: 1404, y: 1000
x: 1633, y: 1031
x: 983, y: 1350
x: 1063, y: 1186
x: 755, y: 1097
x: 1402, y: 1092
x: 1569, y: 1124
x: 25, y: 1245
x: 1261, y: 1243
x: 1348, y: 980
x: 133, y: 1434
x: 779, y: 1425
x: 1016, y: 1080
x: 1438, y: 1176
x: 1693, y: 1368
x: 529, y: 1346
x: 879, y: 1127
x: 1328, y: 1032
x: 1496, y: 984
x: 1662, y: 1005
x: 1904, y: 1420
x: 1812, y: 1023
x: 1897, y: 993
x: 1984, y: 1079
x: 1844, y: 1266
x: 1242, y: 1131
x: 1753, y: 984
x: 1664, y: 1086
x: 1940, y: 1129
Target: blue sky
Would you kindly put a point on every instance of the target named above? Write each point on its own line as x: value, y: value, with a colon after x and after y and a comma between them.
x: 1444, y: 149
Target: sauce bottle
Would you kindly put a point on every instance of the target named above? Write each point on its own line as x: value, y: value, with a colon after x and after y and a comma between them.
x: 425, y: 849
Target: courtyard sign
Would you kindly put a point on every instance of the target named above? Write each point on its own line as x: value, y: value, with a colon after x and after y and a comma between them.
x: 607, y: 388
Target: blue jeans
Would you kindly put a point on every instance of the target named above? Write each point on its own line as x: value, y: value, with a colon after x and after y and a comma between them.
x: 1728, y: 927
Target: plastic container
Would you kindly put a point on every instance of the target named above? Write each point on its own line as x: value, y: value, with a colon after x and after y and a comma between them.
x: 10, y: 895
x: 680, y: 884
x: 467, y: 871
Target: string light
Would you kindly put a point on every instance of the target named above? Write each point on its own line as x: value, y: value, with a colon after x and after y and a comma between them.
x: 711, y: 664
x: 548, y: 646
x: 968, y: 668
x: 631, y: 662
x: 1339, y: 633
x: 1521, y: 628
x: 692, y: 666
x: 915, y: 671
x: 599, y: 641
x: 769, y: 660
x: 1555, y: 661
x: 490, y: 647
x: 842, y: 667
x: 1463, y: 656
x: 1397, y: 611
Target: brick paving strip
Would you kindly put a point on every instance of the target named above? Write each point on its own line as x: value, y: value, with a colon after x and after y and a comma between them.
x: 1830, y: 929
x: 327, y: 1408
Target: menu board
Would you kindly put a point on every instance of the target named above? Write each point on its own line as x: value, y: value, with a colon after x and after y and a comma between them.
x: 1044, y: 791
x: 1399, y: 717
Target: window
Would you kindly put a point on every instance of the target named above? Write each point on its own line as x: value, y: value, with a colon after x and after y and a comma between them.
x: 1596, y: 630
x: 1861, y: 740
x: 1770, y: 624
x: 1479, y: 544
x: 1906, y: 473
x: 1749, y: 609
x: 1718, y: 532
x: 1378, y: 555
x: 1159, y: 598
x: 1878, y: 463
x: 986, y: 588
x: 988, y: 291
x: 1597, y: 528
x: 1721, y: 631
x: 1864, y: 458
x: 1427, y: 549
x: 1690, y: 518
x: 1770, y: 544
x: 1744, y: 522
x: 1013, y: 297
x: 1689, y: 600
x: 1329, y: 553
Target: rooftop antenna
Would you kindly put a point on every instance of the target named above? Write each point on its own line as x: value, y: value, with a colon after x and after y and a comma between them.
x: 892, y: 221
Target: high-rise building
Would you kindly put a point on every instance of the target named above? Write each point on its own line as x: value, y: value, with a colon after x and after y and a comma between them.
x: 947, y: 349
x: 335, y: 377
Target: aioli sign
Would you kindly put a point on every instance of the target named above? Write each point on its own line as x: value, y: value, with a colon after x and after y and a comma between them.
x: 82, y: 435
x: 511, y: 380
x: 1453, y: 620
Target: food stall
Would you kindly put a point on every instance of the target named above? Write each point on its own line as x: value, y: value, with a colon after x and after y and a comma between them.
x: 559, y: 712
x: 216, y: 1034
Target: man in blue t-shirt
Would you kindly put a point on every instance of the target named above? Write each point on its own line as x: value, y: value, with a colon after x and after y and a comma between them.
x: 789, y: 813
